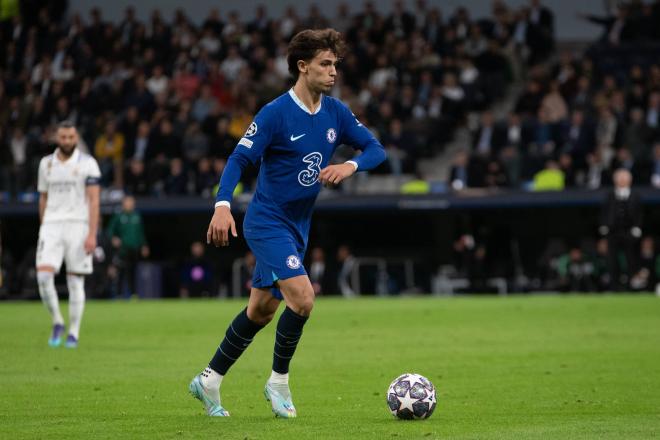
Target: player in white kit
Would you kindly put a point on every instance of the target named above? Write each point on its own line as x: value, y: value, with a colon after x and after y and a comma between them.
x: 69, y: 215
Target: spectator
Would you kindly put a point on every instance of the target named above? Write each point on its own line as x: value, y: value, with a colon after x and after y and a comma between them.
x: 195, y: 144
x: 597, y: 173
x: 203, y: 105
x: 575, y: 271
x: 646, y: 277
x: 318, y: 273
x: 510, y: 160
x: 163, y: 143
x: 578, y: 138
x: 616, y: 29
x: 653, y: 112
x: 248, y: 263
x: 222, y: 143
x: 233, y: 64
x: 196, y: 273
x: 551, y: 178
x: 495, y: 176
x: 655, y: 166
x: 621, y: 222
x: 128, y: 126
x: 176, y: 183
x: 554, y: 105
x: 485, y: 139
x: 566, y: 167
x: 18, y: 155
x: 382, y: 74
x: 158, y: 83
x: 109, y: 151
x: 210, y: 41
x: 512, y: 133
x: 542, y: 22
x: 140, y: 97
x: 141, y: 143
x: 583, y: 96
x: 601, y: 266
x: 126, y: 232
x: 529, y: 102
x: 458, y: 176
x: 136, y: 181
x: 394, y: 142
x: 347, y: 263
x: 239, y: 122
x: 186, y: 83
x: 606, y: 129
x: 637, y: 135
x: 624, y: 159
x: 206, y: 178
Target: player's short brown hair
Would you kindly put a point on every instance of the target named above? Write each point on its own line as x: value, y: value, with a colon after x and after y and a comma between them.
x: 306, y: 44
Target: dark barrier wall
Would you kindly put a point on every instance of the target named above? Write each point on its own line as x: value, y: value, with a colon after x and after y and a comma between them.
x: 516, y: 228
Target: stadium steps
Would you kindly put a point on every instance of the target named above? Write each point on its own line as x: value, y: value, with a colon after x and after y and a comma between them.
x: 437, y: 168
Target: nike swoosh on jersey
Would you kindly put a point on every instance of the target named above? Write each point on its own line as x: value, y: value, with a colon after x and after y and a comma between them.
x: 295, y: 138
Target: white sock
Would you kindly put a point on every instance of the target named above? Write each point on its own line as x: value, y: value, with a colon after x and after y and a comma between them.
x: 46, y: 281
x: 76, y: 285
x: 211, y: 378
x: 279, y: 379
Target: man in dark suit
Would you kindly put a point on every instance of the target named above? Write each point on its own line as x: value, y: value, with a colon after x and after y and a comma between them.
x: 488, y: 139
x: 578, y: 138
x: 401, y: 22
x: 616, y: 28
x: 541, y: 32
x: 621, y: 223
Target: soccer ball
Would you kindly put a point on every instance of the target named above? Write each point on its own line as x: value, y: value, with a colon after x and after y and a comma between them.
x: 411, y: 396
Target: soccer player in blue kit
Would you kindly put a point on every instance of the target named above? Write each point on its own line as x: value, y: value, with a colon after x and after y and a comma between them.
x: 294, y: 137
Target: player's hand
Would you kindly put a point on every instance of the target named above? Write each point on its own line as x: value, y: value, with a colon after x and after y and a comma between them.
x: 221, y: 223
x: 90, y: 244
x: 334, y: 174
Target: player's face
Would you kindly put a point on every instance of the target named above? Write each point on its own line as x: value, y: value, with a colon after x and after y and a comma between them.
x: 67, y: 139
x: 322, y: 71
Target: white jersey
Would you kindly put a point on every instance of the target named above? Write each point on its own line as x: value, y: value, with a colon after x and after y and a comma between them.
x: 65, y: 183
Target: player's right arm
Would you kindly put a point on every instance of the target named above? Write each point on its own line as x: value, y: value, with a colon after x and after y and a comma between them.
x: 43, y: 199
x: 249, y: 149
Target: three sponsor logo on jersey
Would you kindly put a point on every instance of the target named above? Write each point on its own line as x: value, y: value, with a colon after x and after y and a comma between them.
x: 310, y: 174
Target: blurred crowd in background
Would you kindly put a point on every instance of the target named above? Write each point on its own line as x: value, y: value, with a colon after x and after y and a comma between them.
x: 579, y: 117
x: 161, y: 103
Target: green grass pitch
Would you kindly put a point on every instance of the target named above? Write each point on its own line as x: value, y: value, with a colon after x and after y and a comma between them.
x: 564, y: 367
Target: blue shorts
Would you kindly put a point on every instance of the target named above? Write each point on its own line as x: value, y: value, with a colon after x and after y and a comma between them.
x: 277, y: 259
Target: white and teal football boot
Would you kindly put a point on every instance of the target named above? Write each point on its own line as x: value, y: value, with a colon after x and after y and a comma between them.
x: 279, y: 397
x: 210, y: 398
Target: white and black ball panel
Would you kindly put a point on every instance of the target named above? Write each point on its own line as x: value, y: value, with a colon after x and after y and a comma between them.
x: 411, y: 397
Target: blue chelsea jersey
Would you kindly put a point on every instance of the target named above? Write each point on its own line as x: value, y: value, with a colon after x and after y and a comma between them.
x: 294, y: 145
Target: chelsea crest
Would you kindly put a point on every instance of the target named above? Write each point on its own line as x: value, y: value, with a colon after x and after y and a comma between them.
x: 331, y: 135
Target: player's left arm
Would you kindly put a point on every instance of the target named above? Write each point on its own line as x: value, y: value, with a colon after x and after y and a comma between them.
x: 93, y: 194
x: 93, y: 197
x: 360, y: 138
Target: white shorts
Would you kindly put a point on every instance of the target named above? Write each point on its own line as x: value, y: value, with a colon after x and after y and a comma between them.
x: 64, y: 241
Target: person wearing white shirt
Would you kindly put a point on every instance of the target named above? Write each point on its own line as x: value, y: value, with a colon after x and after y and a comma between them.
x: 158, y: 82
x: 69, y: 212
